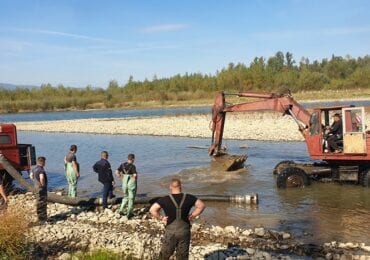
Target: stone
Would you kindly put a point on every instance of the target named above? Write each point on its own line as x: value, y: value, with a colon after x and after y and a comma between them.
x: 259, y: 232
x: 250, y: 251
x: 286, y: 235
x: 230, y: 229
x: 329, y: 256
x: 65, y: 256
x: 266, y: 255
x: 247, y: 232
x: 366, y: 248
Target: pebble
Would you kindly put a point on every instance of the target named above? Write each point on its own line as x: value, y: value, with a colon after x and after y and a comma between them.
x: 259, y: 232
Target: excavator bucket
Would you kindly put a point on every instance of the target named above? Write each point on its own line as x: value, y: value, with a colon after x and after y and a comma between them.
x: 227, y: 162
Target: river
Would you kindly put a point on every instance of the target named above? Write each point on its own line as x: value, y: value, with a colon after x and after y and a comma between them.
x: 318, y: 213
x: 121, y: 113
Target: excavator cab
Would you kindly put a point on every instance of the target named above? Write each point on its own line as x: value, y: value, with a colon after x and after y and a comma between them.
x: 353, y: 140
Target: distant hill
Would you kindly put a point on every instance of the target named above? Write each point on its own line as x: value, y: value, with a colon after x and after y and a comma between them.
x: 14, y: 86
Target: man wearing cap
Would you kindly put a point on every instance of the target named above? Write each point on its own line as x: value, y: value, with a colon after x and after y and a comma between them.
x: 335, y: 133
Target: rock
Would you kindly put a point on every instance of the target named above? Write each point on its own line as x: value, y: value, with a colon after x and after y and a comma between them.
x: 250, y: 251
x: 195, y: 228
x: 286, y: 235
x: 65, y: 256
x: 230, y: 229
x: 247, y: 232
x: 329, y: 256
x: 266, y: 255
x: 259, y: 232
x: 366, y: 248
x: 108, y: 212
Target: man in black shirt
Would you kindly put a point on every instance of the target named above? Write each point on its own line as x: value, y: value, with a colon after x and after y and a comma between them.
x: 127, y: 172
x: 335, y: 133
x: 40, y: 179
x: 176, y: 207
x: 105, y: 176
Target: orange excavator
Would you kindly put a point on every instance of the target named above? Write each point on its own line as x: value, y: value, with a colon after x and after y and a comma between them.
x: 350, y: 164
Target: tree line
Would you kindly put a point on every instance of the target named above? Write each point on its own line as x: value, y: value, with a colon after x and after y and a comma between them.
x: 275, y: 74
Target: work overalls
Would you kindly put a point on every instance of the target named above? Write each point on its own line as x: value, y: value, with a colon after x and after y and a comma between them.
x: 129, y: 187
x: 71, y: 179
x: 177, y: 235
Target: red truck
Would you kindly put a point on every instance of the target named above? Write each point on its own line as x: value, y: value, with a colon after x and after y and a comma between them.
x: 20, y: 156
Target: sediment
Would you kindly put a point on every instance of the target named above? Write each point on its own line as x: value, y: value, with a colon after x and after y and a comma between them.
x: 267, y: 126
x: 78, y: 229
x: 258, y: 126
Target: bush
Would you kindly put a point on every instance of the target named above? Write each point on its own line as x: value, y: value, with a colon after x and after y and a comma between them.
x: 13, y: 229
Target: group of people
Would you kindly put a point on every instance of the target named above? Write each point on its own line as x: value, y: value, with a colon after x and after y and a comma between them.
x: 176, y: 206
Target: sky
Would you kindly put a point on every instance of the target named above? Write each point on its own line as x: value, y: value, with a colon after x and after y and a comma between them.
x: 91, y: 42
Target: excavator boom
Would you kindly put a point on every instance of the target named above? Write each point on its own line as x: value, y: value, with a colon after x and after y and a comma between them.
x: 270, y: 101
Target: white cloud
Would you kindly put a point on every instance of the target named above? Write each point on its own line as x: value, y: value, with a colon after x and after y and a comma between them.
x: 56, y: 33
x: 165, y: 28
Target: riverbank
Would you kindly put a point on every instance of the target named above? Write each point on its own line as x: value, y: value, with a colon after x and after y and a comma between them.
x: 74, y: 229
x: 253, y: 126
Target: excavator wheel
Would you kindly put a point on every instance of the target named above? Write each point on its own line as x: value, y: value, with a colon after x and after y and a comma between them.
x: 280, y: 166
x: 365, y: 178
x: 292, y: 177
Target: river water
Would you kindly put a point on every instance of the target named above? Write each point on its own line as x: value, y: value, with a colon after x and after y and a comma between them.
x: 120, y: 113
x: 318, y: 213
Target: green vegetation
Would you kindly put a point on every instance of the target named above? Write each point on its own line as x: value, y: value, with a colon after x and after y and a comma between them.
x: 337, y: 76
x: 13, y: 230
x: 102, y: 255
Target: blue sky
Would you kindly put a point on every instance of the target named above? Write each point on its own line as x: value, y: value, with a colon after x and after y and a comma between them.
x: 90, y: 42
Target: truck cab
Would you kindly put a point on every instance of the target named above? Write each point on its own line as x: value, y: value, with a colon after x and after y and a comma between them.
x: 21, y: 156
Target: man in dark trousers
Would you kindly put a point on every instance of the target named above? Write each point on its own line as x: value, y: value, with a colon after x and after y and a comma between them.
x: 335, y: 133
x: 105, y: 176
x: 2, y: 192
x: 176, y: 207
x: 40, y: 179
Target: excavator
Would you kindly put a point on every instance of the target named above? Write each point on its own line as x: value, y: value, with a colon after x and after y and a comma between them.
x: 350, y: 164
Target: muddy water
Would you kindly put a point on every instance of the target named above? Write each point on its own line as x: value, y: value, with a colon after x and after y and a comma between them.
x: 319, y: 213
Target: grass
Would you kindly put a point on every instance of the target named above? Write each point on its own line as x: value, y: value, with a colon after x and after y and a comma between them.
x: 102, y: 255
x: 13, y: 229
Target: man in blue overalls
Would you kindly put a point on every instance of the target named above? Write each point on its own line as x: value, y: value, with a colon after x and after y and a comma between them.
x: 176, y: 207
x: 127, y: 172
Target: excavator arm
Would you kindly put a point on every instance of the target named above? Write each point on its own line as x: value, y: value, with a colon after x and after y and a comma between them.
x: 281, y: 103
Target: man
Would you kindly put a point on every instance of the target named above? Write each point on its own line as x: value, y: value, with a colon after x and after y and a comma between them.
x: 127, y: 172
x: 105, y: 176
x: 176, y: 207
x: 72, y: 170
x: 40, y: 179
x: 2, y: 190
x: 335, y: 133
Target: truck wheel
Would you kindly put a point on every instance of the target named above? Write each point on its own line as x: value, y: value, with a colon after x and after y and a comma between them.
x: 292, y: 177
x: 279, y: 167
x: 365, y: 178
